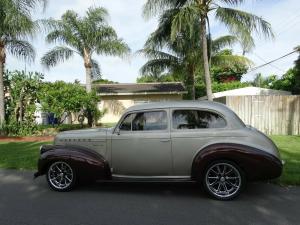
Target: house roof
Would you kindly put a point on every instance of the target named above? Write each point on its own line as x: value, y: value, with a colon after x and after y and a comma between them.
x: 248, y: 91
x: 141, y: 88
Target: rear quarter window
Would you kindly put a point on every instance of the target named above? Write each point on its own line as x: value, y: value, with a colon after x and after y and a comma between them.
x: 196, y: 119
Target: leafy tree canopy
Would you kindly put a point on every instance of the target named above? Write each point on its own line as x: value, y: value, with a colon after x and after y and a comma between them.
x: 63, y: 98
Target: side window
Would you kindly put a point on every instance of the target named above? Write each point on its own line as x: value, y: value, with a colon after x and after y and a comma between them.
x: 146, y: 121
x: 126, y: 125
x: 197, y: 119
x: 211, y: 120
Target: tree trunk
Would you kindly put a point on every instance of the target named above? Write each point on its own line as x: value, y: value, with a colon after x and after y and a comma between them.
x: 193, y: 86
x: 21, y: 105
x: 88, y: 71
x: 205, y: 60
x: 2, y: 62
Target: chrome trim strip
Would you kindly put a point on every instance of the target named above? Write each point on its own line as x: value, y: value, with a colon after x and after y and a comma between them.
x: 149, y: 177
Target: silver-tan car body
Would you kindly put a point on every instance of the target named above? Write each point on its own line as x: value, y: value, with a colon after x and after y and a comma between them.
x: 168, y: 153
x: 187, y: 141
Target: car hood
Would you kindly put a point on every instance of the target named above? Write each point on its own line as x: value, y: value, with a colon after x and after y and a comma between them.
x: 93, y: 139
x: 81, y: 135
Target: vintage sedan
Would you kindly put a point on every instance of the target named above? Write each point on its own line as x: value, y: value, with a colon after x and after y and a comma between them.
x: 168, y: 141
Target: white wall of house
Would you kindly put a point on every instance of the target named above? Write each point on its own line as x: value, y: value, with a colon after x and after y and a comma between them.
x: 115, y: 105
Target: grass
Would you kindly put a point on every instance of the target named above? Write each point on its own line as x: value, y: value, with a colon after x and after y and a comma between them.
x: 19, y: 155
x: 24, y: 155
x: 289, y: 147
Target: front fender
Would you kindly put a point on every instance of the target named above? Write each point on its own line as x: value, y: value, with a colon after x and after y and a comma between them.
x: 88, y: 164
x: 255, y: 163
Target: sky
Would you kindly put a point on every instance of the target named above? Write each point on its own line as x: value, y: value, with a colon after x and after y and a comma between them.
x: 126, y: 18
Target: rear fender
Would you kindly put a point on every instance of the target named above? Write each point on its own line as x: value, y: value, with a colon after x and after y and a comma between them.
x: 255, y: 163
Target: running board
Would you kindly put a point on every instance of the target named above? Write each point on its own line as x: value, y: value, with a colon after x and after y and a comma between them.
x: 123, y: 178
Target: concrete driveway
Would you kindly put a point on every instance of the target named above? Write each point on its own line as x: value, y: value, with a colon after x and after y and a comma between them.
x: 24, y: 201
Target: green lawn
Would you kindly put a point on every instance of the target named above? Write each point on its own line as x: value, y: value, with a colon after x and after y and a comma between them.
x: 289, y: 147
x: 19, y: 155
x: 24, y: 156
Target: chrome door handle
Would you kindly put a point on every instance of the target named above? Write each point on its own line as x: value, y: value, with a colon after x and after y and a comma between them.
x: 165, y: 140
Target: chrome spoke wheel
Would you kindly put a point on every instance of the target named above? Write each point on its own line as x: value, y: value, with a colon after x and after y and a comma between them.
x: 223, y: 180
x: 60, y: 175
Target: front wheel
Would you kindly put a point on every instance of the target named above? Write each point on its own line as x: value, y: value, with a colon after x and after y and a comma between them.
x: 61, y: 176
x: 223, y: 180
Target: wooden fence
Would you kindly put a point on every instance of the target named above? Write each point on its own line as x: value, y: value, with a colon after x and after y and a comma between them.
x: 277, y: 115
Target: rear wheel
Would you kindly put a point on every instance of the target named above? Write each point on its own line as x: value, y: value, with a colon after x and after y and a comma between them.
x: 223, y: 180
x: 61, y: 176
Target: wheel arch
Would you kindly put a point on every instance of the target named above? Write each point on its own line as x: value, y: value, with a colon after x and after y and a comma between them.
x: 254, y: 163
x: 88, y: 164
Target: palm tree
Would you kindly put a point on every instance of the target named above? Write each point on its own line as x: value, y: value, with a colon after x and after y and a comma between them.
x: 239, y: 23
x: 184, y: 52
x: 15, y: 24
x: 84, y: 36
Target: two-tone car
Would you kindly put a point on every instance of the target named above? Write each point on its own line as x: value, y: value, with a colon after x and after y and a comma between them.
x: 197, y: 141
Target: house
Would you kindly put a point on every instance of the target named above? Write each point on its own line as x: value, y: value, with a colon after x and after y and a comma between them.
x: 116, y: 98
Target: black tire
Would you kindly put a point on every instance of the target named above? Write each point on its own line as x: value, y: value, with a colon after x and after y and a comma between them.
x: 61, y: 176
x: 223, y: 180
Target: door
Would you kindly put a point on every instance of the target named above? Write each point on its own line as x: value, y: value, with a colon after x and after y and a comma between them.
x: 141, y: 145
x: 192, y: 129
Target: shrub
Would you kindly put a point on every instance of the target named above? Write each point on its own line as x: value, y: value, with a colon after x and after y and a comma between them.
x: 218, y: 87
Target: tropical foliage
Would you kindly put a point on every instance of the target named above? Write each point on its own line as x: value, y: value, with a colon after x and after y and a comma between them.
x: 84, y: 36
x: 228, y: 72
x: 27, y: 94
x: 155, y: 78
x: 219, y: 87
x: 183, y: 55
x: 16, y: 24
x: 193, y: 16
x: 290, y: 81
x: 20, y: 102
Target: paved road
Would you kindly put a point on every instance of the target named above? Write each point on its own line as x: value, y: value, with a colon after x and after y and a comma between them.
x: 24, y: 201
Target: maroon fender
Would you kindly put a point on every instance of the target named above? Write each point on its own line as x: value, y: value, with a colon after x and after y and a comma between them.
x: 255, y: 163
x: 88, y: 164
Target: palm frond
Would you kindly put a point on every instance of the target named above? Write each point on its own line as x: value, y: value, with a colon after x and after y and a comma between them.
x: 244, y: 23
x: 223, y: 41
x: 229, y: 60
x: 157, y: 65
x: 21, y: 49
x: 55, y: 56
x: 161, y: 36
x: 232, y: 2
x: 156, y: 54
x: 154, y: 7
x: 115, y: 47
x: 97, y: 15
x: 26, y: 6
x: 17, y: 24
x: 183, y: 19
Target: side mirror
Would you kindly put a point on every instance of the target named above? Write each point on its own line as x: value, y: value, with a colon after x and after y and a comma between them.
x: 117, y: 131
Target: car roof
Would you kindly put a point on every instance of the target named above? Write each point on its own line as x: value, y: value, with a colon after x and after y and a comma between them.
x: 215, y: 106
x: 179, y: 104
